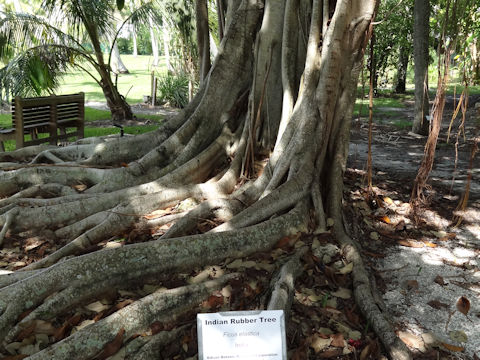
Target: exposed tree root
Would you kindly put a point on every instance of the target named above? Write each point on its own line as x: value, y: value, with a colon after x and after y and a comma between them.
x: 148, y: 348
x: 133, y: 319
x: 136, y: 261
x: 283, y: 285
x: 365, y: 298
x: 110, y: 188
x: 8, y: 221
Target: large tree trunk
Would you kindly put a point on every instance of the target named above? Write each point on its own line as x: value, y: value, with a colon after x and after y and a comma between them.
x: 210, y: 152
x: 420, y: 53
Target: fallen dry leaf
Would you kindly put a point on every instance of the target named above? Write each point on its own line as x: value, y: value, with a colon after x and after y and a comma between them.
x: 61, y: 332
x: 387, y: 200
x: 410, y: 243
x: 439, y: 280
x: 412, y: 284
x: 346, y: 269
x: 96, y: 307
x: 385, y: 219
x: 452, y: 347
x: 338, y: 340
x: 80, y: 187
x: 411, y: 340
x: 318, y: 343
x: 463, y: 305
x: 113, y: 346
x: 365, y: 352
x: 437, y: 305
x: 27, y: 331
x: 156, y: 214
x: 447, y: 237
x: 343, y: 293
x: 214, y: 301
x: 400, y: 226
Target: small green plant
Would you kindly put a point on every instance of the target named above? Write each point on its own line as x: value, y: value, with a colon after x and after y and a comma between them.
x: 403, y: 124
x: 173, y: 89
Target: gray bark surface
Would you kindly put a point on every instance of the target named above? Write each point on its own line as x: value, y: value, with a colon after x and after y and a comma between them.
x: 208, y: 155
x: 421, y: 35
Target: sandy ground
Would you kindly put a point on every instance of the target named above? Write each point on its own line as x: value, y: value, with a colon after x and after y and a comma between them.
x: 422, y: 283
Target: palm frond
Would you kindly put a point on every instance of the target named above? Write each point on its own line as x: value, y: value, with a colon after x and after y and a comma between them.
x: 139, y: 16
x: 38, y: 70
x: 151, y: 9
x: 20, y: 32
x: 81, y: 14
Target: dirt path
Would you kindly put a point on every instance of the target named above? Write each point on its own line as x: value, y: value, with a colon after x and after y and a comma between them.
x: 423, y: 266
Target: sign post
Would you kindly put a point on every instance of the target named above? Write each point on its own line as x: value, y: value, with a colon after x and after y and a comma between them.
x: 242, y: 335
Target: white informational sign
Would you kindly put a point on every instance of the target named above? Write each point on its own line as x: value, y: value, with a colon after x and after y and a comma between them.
x: 242, y: 335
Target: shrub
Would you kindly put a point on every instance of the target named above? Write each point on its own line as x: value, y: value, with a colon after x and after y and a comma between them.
x: 173, y: 89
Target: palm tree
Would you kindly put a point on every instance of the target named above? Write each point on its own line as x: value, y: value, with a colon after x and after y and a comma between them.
x: 41, y: 49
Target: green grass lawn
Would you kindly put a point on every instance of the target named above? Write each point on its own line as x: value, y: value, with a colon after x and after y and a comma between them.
x: 92, y: 131
x: 383, y: 101
x: 133, y: 85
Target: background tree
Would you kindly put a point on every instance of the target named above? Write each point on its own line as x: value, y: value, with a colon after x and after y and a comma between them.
x: 421, y: 36
x: 210, y: 152
x: 43, y: 52
x: 203, y: 38
x: 454, y: 22
x: 393, y: 43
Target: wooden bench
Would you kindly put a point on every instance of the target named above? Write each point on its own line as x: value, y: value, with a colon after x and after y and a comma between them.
x: 60, y: 117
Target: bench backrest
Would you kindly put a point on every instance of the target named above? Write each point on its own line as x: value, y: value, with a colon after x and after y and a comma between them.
x: 48, y: 114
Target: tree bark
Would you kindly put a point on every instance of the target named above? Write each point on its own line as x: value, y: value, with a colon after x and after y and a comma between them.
x: 117, y: 104
x: 118, y: 65
x: 135, y: 46
x: 401, y: 79
x: 475, y: 53
x: 154, y: 42
x: 166, y: 48
x: 421, y: 35
x: 203, y: 38
x: 200, y: 156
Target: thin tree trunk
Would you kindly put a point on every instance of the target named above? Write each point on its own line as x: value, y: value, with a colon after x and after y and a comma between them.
x: 117, y: 104
x: 475, y: 51
x: 118, y: 65
x: 166, y: 48
x: 134, y: 45
x: 421, y: 35
x: 401, y: 79
x: 154, y: 42
x: 221, y: 9
x: 17, y: 6
x: 203, y: 38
